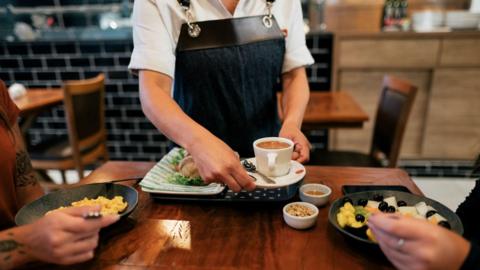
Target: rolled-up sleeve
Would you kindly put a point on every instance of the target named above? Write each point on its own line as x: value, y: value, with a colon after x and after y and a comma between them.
x: 153, y: 45
x: 297, y: 53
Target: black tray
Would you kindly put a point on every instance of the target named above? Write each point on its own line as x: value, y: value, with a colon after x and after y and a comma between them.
x: 348, y: 189
x: 260, y: 195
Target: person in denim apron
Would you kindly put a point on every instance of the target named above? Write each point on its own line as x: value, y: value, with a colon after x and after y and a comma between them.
x: 224, y: 70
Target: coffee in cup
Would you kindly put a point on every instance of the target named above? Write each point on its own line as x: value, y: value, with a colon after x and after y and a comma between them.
x: 273, y: 155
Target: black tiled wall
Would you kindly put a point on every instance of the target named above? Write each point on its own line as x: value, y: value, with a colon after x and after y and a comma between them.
x: 130, y: 135
x: 69, y: 18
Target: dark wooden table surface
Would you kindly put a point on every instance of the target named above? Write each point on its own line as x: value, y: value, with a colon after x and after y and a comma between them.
x: 180, y: 235
x: 332, y: 110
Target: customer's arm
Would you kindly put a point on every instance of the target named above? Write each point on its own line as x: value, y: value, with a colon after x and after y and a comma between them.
x: 62, y: 237
x: 216, y: 161
x: 424, y: 245
x: 27, y: 186
x: 295, y: 98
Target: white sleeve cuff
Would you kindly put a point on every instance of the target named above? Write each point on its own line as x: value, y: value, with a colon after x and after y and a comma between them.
x: 163, y: 62
x: 298, y: 57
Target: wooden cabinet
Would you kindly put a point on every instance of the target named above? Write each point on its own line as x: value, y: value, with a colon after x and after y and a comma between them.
x: 388, y: 53
x: 460, y: 52
x: 453, y: 126
x: 445, y: 120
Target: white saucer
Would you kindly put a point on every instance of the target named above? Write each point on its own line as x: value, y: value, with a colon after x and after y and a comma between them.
x: 297, y: 172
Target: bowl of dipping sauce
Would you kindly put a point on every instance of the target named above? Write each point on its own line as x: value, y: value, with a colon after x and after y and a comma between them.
x: 316, y: 194
x: 300, y: 215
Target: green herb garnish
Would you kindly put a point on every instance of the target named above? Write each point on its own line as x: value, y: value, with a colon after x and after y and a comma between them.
x: 179, y: 179
x: 176, y: 159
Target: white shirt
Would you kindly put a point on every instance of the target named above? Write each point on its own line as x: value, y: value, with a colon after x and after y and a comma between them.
x: 157, y: 24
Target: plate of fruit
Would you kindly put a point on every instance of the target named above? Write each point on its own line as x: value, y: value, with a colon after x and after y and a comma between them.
x: 349, y: 214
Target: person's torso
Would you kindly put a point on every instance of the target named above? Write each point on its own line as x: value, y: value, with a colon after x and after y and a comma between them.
x: 225, y: 78
x: 8, y: 205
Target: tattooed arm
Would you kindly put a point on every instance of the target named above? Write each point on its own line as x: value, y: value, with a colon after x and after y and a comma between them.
x: 27, y: 186
x: 12, y: 251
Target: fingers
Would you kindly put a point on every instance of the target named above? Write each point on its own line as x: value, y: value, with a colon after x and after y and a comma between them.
x: 108, y: 220
x: 231, y: 183
x: 388, y: 241
x: 295, y: 155
x: 302, y: 151
x: 80, y: 246
x: 243, y: 179
x: 399, y: 254
x: 78, y: 258
x: 73, y: 221
x: 399, y: 226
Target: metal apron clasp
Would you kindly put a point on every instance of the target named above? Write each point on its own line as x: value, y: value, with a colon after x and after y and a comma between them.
x: 268, y: 19
x: 194, y: 29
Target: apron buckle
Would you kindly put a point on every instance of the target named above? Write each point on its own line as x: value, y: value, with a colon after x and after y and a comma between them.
x: 194, y: 30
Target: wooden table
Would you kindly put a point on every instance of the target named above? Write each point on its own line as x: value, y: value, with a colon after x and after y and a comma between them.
x: 332, y: 110
x: 179, y: 235
x: 36, y: 100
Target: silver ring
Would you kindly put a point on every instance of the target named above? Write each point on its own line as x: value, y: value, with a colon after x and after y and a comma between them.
x: 400, y: 243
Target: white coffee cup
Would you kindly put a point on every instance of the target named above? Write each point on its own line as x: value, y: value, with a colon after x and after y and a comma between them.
x: 273, y: 162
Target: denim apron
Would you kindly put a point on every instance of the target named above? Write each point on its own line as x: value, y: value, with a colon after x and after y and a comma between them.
x: 225, y: 76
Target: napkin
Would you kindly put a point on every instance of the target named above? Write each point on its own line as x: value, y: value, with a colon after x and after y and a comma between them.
x: 17, y: 91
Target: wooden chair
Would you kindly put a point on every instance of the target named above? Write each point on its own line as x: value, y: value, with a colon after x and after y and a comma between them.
x: 395, y: 104
x: 86, y: 142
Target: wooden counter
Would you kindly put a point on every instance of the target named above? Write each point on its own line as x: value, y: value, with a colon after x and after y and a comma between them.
x: 445, y: 121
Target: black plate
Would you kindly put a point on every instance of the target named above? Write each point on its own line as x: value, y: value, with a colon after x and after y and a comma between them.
x: 37, y: 209
x: 410, y: 199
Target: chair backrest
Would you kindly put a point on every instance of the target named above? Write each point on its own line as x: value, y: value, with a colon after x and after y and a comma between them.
x: 84, y: 109
x: 395, y: 104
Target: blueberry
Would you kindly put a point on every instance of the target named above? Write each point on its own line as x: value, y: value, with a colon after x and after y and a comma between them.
x: 383, y: 206
x: 359, y: 218
x: 362, y: 202
x: 401, y: 203
x: 430, y: 213
x: 378, y: 197
x: 444, y: 224
x: 391, y: 209
x: 347, y: 199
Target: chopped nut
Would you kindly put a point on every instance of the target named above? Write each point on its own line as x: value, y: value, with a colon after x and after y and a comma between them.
x: 299, y: 210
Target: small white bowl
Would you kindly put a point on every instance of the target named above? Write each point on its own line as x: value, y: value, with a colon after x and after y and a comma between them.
x: 300, y: 222
x: 317, y: 200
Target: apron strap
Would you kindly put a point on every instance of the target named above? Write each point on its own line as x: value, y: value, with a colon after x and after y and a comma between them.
x: 194, y: 30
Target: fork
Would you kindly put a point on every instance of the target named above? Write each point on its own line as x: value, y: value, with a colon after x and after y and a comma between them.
x: 92, y: 215
x: 251, y: 168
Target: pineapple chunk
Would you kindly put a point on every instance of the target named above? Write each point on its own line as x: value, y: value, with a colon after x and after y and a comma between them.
x: 371, y: 236
x: 342, y: 220
x: 356, y: 224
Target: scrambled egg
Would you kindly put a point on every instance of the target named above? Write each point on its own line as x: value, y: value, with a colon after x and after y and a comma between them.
x: 109, y: 207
